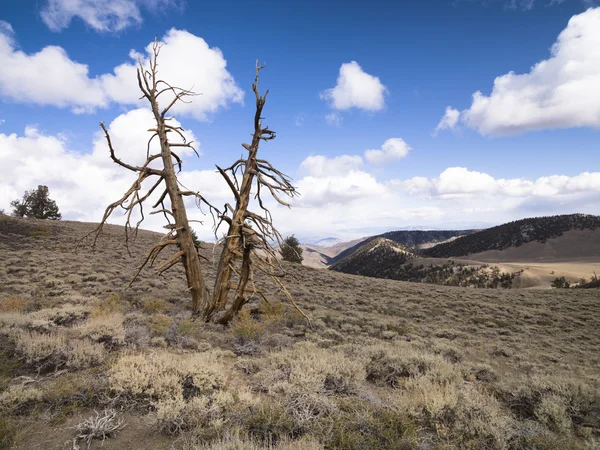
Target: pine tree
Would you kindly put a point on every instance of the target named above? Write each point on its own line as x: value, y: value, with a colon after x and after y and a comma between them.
x: 36, y: 204
x: 291, y: 250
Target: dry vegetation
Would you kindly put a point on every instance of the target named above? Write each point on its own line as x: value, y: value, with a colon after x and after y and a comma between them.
x: 388, y: 364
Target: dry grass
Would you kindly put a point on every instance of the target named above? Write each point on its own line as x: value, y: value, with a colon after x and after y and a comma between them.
x: 387, y: 365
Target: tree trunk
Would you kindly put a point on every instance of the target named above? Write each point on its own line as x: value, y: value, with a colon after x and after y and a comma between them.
x: 185, y: 243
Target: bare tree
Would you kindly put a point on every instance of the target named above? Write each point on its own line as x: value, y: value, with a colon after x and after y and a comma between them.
x: 247, y: 245
x: 170, y: 202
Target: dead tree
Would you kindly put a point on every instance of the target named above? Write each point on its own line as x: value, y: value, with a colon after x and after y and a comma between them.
x: 247, y: 245
x: 170, y: 201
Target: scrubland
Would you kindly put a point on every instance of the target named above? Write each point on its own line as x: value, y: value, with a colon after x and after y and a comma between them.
x: 85, y: 363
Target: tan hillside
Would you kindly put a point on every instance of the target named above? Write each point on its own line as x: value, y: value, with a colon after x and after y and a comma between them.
x: 321, y: 257
x: 573, y: 244
x: 387, y: 364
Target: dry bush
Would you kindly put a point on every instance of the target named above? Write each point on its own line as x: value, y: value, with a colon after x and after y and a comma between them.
x: 176, y: 415
x: 66, y: 315
x: 107, y: 329
x: 481, y: 418
x: 110, y: 305
x: 234, y: 441
x: 556, y: 402
x: 391, y: 364
x: 10, y: 321
x: 100, y: 426
x: 13, y: 304
x: 313, y: 369
x: 153, y: 306
x: 54, y: 350
x: 17, y: 397
x: 163, y: 375
x: 84, y: 354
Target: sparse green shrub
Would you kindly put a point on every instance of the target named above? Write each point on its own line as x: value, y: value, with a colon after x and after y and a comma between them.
x: 361, y: 427
x: 112, y: 304
x: 269, y: 422
x: 160, y: 323
x: 561, y: 283
x: 245, y: 328
x: 153, y: 306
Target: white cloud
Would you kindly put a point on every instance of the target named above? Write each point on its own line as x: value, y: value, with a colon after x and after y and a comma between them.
x: 50, y: 77
x: 84, y: 184
x: 187, y: 61
x: 559, y: 92
x: 47, y: 77
x: 321, y: 166
x: 334, y: 118
x: 100, y: 15
x: 449, y: 121
x: 337, y: 189
x: 392, y: 150
x: 461, y: 182
x: 356, y: 89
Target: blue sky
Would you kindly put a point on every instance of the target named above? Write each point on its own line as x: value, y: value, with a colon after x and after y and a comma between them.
x: 344, y: 78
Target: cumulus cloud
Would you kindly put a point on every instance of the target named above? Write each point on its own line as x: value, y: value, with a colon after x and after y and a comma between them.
x: 83, y: 184
x: 100, y: 15
x: 337, y: 189
x: 449, y: 121
x: 321, y: 166
x: 187, y: 61
x: 461, y: 182
x: 356, y: 89
x: 558, y: 92
x: 392, y: 150
x: 50, y: 77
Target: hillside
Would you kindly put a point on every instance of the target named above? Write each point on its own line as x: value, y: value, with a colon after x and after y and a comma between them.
x: 321, y: 256
x: 378, y: 257
x: 387, y: 364
x: 514, y: 234
x: 412, y: 239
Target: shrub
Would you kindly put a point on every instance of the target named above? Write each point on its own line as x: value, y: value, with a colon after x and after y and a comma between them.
x: 163, y: 375
x: 107, y: 329
x: 290, y: 250
x: 12, y: 304
x: 269, y: 422
x: 53, y: 350
x: 245, y: 328
x: 153, y: 306
x: 390, y: 366
x: 17, y: 397
x: 160, y: 323
x: 360, y: 427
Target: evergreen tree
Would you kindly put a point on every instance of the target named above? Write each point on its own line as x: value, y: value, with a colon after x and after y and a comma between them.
x: 36, y: 204
x: 291, y: 250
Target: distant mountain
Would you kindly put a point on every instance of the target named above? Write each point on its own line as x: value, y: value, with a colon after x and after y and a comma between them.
x: 514, y: 234
x: 323, y: 242
x: 412, y: 239
x: 377, y: 258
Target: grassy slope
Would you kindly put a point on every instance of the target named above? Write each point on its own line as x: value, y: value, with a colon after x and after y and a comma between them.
x: 401, y: 364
